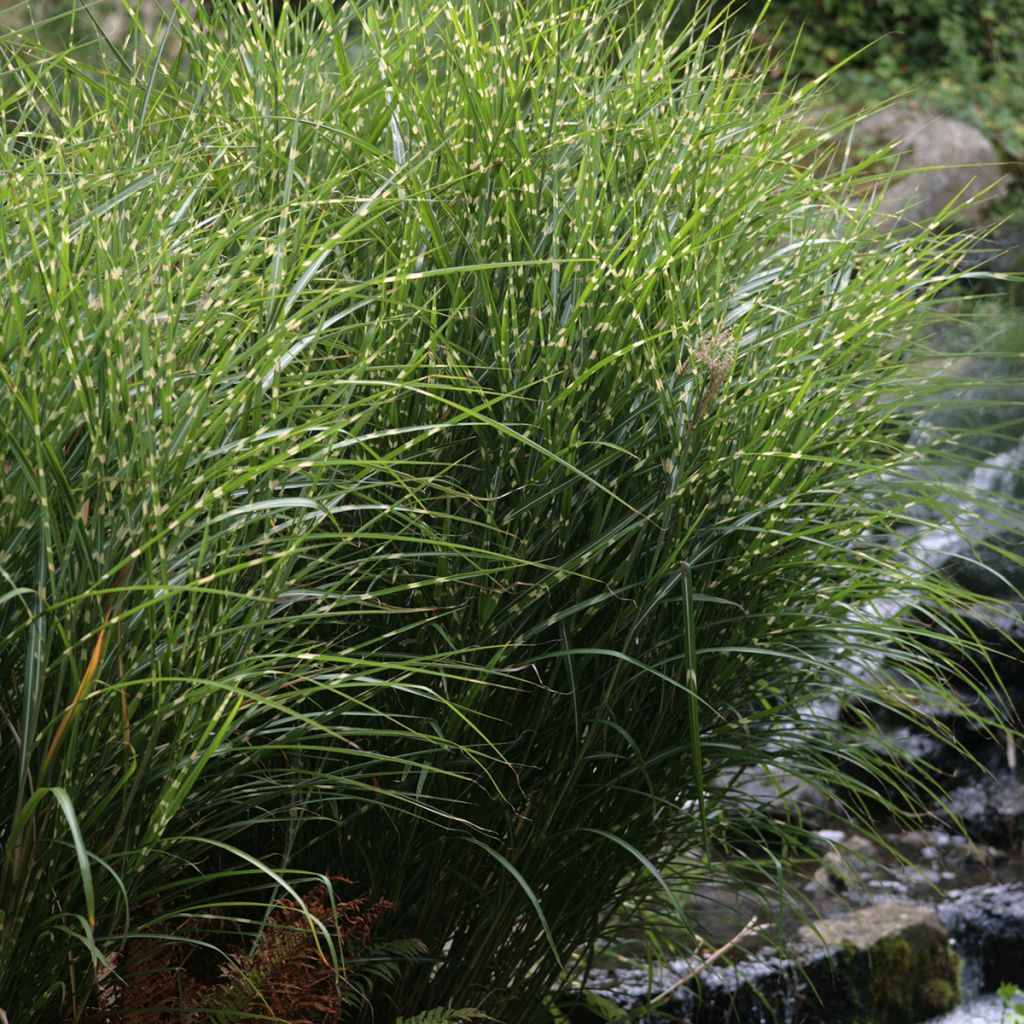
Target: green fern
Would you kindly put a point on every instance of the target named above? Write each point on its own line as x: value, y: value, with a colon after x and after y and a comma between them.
x: 380, y: 964
x: 442, y: 1015
x: 602, y: 1008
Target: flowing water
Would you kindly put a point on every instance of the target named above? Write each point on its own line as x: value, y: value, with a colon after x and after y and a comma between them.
x: 987, y: 1009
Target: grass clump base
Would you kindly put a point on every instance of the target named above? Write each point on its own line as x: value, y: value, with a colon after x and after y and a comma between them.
x: 453, y: 446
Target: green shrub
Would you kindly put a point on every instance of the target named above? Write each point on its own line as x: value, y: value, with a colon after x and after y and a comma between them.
x: 969, y: 37
x: 442, y: 449
x: 964, y: 57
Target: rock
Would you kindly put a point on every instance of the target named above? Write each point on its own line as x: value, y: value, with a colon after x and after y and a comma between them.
x: 997, y: 569
x: 941, y: 160
x: 887, y: 964
x: 980, y: 775
x: 630, y: 988
x: 991, y: 810
x: 851, y: 866
x: 992, y: 563
x: 893, y: 964
x: 784, y: 796
x: 986, y: 924
x: 998, y: 252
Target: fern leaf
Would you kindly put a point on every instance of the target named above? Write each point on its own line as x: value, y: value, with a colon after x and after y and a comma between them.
x: 442, y: 1015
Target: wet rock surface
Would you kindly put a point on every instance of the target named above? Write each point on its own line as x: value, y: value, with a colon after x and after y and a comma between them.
x: 979, y: 767
x: 999, y: 252
x: 987, y: 927
x: 887, y: 963
x: 991, y: 809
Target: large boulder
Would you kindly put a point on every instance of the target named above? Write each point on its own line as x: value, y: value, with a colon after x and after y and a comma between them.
x: 940, y: 160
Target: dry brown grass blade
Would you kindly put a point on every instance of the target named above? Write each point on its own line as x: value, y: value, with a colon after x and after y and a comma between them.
x: 80, y: 694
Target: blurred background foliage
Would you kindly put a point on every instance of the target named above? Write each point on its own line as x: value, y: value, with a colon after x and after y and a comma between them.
x: 964, y: 57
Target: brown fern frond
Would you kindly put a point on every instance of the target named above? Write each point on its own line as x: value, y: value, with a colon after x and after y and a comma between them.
x: 303, y: 968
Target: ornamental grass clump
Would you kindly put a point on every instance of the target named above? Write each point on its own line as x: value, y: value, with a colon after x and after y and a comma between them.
x: 442, y: 447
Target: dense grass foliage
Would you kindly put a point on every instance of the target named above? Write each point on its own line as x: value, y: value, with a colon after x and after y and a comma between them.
x: 447, y: 446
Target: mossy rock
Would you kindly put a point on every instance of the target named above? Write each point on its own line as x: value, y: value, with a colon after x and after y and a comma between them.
x: 888, y: 964
x: 909, y: 984
x: 895, y: 963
